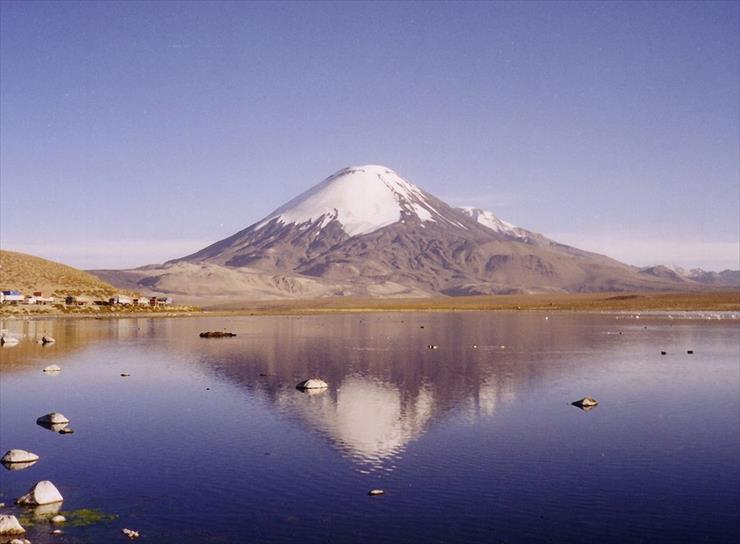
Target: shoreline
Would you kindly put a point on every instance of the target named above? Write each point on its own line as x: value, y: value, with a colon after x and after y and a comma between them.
x: 728, y: 301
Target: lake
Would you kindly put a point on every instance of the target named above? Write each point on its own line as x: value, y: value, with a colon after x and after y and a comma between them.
x: 208, y: 440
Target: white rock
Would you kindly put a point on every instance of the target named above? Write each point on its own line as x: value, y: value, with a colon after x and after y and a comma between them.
x: 54, y: 418
x: 585, y: 402
x: 19, y: 541
x: 9, y: 526
x: 47, y: 340
x: 53, y: 368
x: 313, y: 383
x: 58, y: 519
x: 19, y: 456
x: 131, y: 533
x: 375, y: 492
x: 8, y: 341
x: 43, y: 492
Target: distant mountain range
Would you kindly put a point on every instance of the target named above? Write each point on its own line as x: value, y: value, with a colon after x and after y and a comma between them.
x: 365, y: 231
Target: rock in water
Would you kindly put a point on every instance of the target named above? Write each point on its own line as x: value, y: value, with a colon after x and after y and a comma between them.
x: 585, y: 402
x: 376, y: 492
x: 8, y: 341
x: 54, y: 418
x: 131, y: 533
x: 19, y: 456
x: 9, y: 526
x: 47, y: 340
x: 58, y: 519
x: 44, y: 492
x: 53, y: 368
x: 14, y: 467
x: 312, y: 383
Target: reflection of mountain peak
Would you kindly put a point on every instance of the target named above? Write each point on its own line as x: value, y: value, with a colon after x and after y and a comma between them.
x: 366, y: 418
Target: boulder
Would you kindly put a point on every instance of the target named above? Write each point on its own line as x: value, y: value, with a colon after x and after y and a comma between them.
x: 9, y: 526
x: 54, y: 427
x: 8, y: 341
x: 18, y: 466
x: 44, y: 492
x: 585, y: 402
x: 53, y: 368
x: 58, y: 519
x: 131, y: 533
x: 312, y: 383
x: 54, y: 418
x: 19, y: 456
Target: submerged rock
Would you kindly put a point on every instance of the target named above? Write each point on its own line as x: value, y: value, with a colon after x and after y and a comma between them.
x: 217, y: 334
x: 312, y: 383
x: 53, y: 368
x: 19, y: 456
x: 9, y: 525
x: 586, y: 403
x: 44, y: 492
x: 58, y: 519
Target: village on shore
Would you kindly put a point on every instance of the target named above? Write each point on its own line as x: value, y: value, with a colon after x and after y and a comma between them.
x: 15, y: 297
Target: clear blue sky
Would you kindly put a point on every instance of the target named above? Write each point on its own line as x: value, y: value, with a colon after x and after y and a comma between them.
x: 135, y: 132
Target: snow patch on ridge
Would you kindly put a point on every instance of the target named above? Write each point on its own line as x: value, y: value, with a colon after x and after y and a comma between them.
x: 487, y: 219
x: 362, y: 198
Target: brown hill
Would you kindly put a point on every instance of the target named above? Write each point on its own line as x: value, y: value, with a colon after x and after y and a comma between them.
x: 27, y: 274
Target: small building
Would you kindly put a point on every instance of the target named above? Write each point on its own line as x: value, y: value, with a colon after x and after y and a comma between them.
x: 162, y: 301
x: 12, y: 296
x: 121, y: 299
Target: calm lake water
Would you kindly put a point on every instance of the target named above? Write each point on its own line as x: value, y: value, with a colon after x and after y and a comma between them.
x: 209, y: 441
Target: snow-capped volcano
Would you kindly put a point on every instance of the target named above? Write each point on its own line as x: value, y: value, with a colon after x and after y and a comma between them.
x: 362, y: 199
x: 367, y: 231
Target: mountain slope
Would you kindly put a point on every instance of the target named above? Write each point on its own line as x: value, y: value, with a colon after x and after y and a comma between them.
x: 27, y: 273
x: 367, y: 231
